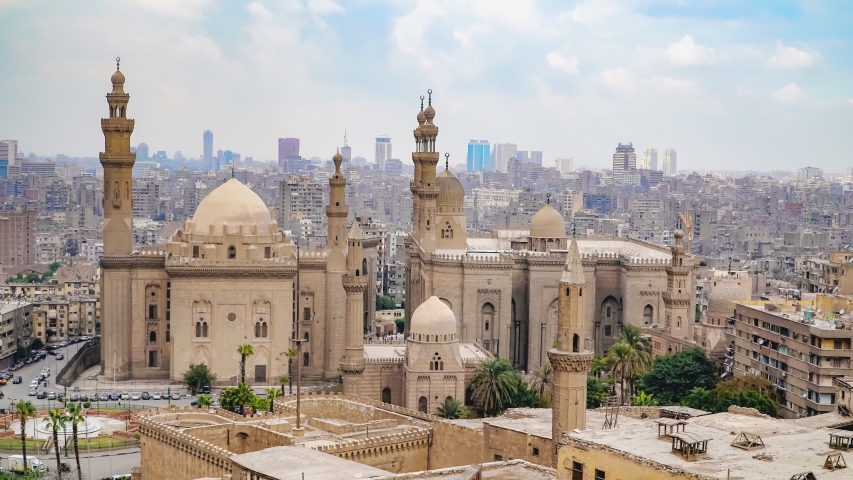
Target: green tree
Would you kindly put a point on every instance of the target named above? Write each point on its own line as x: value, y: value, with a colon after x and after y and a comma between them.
x: 674, y: 376
x: 700, y: 399
x: 750, y: 391
x: 204, y: 400
x: 385, y: 303
x: 283, y: 381
x: 452, y: 409
x: 54, y: 266
x: 75, y: 417
x: 400, y: 323
x: 542, y: 383
x: 619, y: 360
x: 37, y: 344
x: 596, y: 392
x: 26, y: 410
x: 245, y: 352
x: 272, y: 394
x: 56, y: 421
x: 598, y: 366
x: 238, y: 396
x: 643, y: 400
x: 291, y: 353
x: 198, y: 376
x: 493, y: 385
x: 32, y: 278
x: 21, y: 353
x: 641, y: 359
x: 260, y: 404
x: 524, y: 396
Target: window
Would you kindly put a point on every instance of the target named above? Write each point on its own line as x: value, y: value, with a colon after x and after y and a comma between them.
x: 267, y: 252
x: 577, y: 471
x: 232, y: 252
x: 422, y: 404
x: 386, y: 395
x: 306, y: 359
x: 152, y: 337
x: 535, y: 452
x: 152, y: 358
x: 607, y: 329
x: 306, y: 314
x: 260, y: 373
x: 575, y: 343
x: 499, y: 458
x: 261, y: 329
x: 152, y: 312
x: 608, y: 311
x: 599, y: 474
x: 168, y: 333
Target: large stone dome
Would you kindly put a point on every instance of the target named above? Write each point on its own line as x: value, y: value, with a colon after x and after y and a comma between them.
x: 433, y: 321
x: 232, y: 203
x: 452, y: 192
x: 548, y: 223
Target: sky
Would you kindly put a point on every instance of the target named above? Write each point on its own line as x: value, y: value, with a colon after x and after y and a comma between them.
x: 729, y: 84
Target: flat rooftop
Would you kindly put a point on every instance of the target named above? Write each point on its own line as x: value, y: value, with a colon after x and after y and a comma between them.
x: 619, y: 247
x: 298, y: 463
x: 537, y: 421
x: 791, y: 447
x: 6, y: 307
x: 470, y: 352
x: 511, y: 470
x: 807, y: 313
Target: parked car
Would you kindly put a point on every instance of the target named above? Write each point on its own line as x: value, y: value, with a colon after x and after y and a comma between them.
x: 146, y: 396
x: 156, y: 396
x: 33, y: 392
x: 59, y: 356
x: 114, y: 397
x: 216, y: 404
x: 176, y: 396
x: 84, y: 398
x: 41, y: 395
x: 52, y: 352
x: 165, y: 395
x: 51, y: 395
x: 125, y: 396
x: 74, y: 398
x: 205, y: 389
x: 135, y: 396
x: 104, y: 397
x: 18, y: 379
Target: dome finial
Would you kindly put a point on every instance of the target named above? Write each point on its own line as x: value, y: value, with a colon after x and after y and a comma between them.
x: 548, y: 198
x: 118, y: 60
x: 422, y: 103
x: 446, y: 161
x: 430, y: 96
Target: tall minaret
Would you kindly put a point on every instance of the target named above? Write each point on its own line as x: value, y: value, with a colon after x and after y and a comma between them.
x: 426, y: 159
x: 116, y: 286
x: 337, y: 210
x: 355, y: 282
x: 676, y: 298
x: 416, y: 159
x: 573, y: 355
x: 117, y: 161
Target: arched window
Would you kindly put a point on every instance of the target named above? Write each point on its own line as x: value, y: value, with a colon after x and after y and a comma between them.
x: 442, y: 233
x: 488, y: 312
x: 232, y: 252
x: 264, y: 330
x: 197, y: 329
x: 116, y: 193
x: 364, y: 265
x: 386, y: 395
x: 257, y: 329
x: 575, y: 343
x: 152, y: 337
x: 648, y: 313
x: 127, y: 190
x: 356, y: 272
x: 204, y: 329
x: 422, y: 404
x: 608, y: 311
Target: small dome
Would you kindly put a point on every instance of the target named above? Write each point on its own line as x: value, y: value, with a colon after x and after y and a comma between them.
x: 548, y: 223
x: 421, y: 117
x: 117, y: 78
x: 338, y: 158
x: 451, y: 192
x: 231, y: 203
x: 429, y: 113
x: 433, y: 317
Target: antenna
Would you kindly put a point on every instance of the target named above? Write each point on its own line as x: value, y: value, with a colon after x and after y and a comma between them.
x: 345, y: 137
x: 548, y: 198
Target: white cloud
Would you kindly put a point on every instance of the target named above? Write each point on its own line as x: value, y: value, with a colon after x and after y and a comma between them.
x: 595, y: 11
x: 850, y: 101
x: 465, y: 36
x: 558, y: 61
x: 790, y: 57
x: 183, y: 9
x: 618, y: 79
x: 788, y: 94
x: 687, y: 52
x: 670, y: 84
x: 324, y: 7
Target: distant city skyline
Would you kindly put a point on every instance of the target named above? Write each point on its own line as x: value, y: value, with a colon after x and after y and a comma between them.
x: 727, y: 83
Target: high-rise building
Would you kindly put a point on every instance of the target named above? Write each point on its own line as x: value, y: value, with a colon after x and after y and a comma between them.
x: 383, y: 151
x: 536, y: 157
x: 208, y: 148
x: 287, y: 148
x: 8, y: 153
x: 479, y: 157
x: 17, y: 238
x: 670, y: 163
x: 624, y: 160
x: 807, y: 173
x: 523, y: 156
x: 503, y: 152
x: 301, y: 208
x: 346, y: 151
x: 142, y: 152
x: 650, y: 159
x: 565, y: 165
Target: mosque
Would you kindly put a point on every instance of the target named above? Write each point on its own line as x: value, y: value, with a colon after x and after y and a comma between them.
x: 230, y: 276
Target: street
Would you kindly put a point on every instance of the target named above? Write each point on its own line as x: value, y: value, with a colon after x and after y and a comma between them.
x: 99, y: 465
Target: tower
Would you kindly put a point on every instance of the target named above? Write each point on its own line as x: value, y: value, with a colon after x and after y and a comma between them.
x: 117, y: 160
x: 424, y: 186
x: 354, y: 282
x: 208, y: 148
x: 573, y: 355
x: 337, y: 209
x: 336, y: 268
x: 676, y: 298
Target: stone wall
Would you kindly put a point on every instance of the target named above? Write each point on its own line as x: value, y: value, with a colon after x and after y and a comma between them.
x: 500, y: 444
x: 239, y: 438
x: 398, y: 453
x: 455, y: 445
x: 633, y: 412
x: 84, y: 359
x: 343, y: 429
x: 751, y: 412
x: 166, y: 452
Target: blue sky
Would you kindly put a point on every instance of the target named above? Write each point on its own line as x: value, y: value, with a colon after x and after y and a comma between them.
x: 729, y: 84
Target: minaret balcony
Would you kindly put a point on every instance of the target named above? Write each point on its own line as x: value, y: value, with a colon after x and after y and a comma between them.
x: 353, y: 283
x: 119, y: 125
x: 430, y: 191
x: 352, y: 365
x: 340, y: 211
x: 570, y: 362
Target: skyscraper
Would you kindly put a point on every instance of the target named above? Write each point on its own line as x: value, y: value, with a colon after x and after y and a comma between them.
x: 208, y: 148
x: 523, y: 156
x: 287, y: 147
x: 670, y: 163
x: 9, y: 151
x: 624, y: 160
x: 536, y: 157
x: 503, y: 152
x: 650, y: 159
x: 383, y: 151
x: 142, y: 152
x: 346, y: 151
x: 479, y: 157
x: 565, y: 165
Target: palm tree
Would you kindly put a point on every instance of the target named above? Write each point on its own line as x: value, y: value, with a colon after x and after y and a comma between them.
x: 619, y: 360
x: 244, y: 396
x: 56, y: 421
x: 26, y: 410
x: 75, y: 416
x: 643, y: 400
x: 598, y: 366
x: 642, y: 358
x: 493, y: 385
x: 272, y: 394
x: 283, y: 380
x: 290, y: 354
x: 451, y: 409
x: 204, y: 400
x: 543, y: 383
x: 245, y: 351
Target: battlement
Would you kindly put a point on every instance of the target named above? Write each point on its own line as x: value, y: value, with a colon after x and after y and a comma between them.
x: 289, y: 402
x: 391, y: 361
x: 399, y: 440
x: 186, y: 442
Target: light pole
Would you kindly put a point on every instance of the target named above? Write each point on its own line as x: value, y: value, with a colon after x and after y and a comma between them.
x: 298, y: 341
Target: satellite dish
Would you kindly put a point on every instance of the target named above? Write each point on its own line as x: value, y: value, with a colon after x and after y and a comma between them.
x: 761, y: 341
x: 841, y: 312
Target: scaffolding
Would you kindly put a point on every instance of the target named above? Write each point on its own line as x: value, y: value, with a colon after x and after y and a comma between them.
x: 841, y: 441
x: 611, y: 412
x: 748, y: 441
x: 691, y: 446
x: 803, y: 476
x: 834, y: 461
x: 668, y: 426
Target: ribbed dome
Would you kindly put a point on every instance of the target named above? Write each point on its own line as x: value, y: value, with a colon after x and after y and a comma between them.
x: 433, y: 317
x: 452, y: 192
x: 232, y: 203
x: 421, y: 117
x: 548, y: 223
x: 117, y: 78
x: 429, y: 113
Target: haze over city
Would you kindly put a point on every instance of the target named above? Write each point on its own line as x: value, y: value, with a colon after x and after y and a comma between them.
x: 729, y: 84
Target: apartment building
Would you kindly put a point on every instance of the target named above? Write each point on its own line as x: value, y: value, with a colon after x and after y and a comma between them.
x: 16, y: 329
x: 796, y: 345
x: 56, y: 318
x: 17, y: 238
x: 302, y: 205
x: 833, y: 275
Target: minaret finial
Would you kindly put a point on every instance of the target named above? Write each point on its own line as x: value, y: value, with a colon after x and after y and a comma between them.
x: 232, y: 168
x: 118, y: 60
x: 548, y: 198
x: 422, y: 103
x: 446, y: 160
x: 430, y: 96
x: 574, y: 230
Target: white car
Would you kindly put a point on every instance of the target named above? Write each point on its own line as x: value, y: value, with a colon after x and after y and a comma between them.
x: 215, y: 405
x: 135, y: 396
x: 33, y: 392
x: 125, y: 396
x: 156, y: 396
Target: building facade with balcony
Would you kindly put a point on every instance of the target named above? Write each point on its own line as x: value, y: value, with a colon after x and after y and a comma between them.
x: 833, y: 275
x: 16, y: 329
x: 795, y: 345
